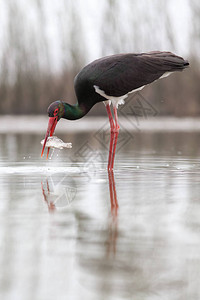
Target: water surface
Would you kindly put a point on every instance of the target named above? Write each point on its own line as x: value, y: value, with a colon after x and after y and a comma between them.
x: 70, y: 230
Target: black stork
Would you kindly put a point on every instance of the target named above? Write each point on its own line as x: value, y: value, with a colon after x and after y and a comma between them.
x: 110, y: 79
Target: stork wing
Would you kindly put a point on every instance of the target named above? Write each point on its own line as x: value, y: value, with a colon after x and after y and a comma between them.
x: 118, y: 75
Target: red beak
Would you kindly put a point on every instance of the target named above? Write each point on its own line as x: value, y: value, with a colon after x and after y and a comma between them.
x: 50, y: 130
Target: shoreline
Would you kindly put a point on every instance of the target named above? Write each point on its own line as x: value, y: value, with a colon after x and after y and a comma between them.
x: 38, y: 124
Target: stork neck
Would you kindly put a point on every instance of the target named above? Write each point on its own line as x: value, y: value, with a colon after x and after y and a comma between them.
x: 74, y: 112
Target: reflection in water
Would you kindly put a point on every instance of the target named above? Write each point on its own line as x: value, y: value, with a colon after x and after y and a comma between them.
x: 113, y: 194
x: 53, y: 202
x: 148, y: 248
x: 46, y: 195
x: 113, y: 230
x: 109, y: 234
x: 58, y: 190
x: 70, y: 192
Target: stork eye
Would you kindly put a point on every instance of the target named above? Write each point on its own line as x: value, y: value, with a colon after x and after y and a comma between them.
x: 55, y: 111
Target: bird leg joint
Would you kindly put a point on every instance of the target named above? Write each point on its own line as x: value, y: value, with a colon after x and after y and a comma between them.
x: 115, y: 129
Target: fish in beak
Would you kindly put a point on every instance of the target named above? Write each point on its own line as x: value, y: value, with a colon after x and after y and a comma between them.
x: 50, y: 130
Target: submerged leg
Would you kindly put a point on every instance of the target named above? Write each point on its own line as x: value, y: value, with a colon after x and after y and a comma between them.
x: 112, y: 128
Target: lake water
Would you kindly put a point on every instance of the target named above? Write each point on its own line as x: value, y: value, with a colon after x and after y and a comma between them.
x: 70, y: 230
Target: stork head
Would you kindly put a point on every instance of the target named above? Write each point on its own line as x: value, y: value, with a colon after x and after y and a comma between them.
x: 55, y: 112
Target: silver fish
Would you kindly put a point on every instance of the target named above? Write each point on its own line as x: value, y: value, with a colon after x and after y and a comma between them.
x: 55, y: 142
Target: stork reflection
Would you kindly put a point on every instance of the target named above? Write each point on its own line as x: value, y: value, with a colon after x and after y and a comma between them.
x: 47, y: 196
x: 58, y: 191
x: 96, y: 238
x: 113, y: 194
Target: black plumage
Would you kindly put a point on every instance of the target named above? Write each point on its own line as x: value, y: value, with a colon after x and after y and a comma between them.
x: 120, y: 74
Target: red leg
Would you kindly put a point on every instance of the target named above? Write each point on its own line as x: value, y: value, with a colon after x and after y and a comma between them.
x: 112, y: 128
x: 115, y: 137
x: 116, y: 118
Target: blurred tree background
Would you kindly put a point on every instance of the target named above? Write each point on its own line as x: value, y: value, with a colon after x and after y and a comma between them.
x: 45, y: 43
